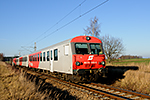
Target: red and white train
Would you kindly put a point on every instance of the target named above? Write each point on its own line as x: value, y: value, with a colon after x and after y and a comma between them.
x: 78, y: 58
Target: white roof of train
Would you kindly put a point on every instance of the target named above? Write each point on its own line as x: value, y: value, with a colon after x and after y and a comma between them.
x: 54, y: 45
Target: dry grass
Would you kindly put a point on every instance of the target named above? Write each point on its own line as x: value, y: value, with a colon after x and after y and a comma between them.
x: 136, y: 80
x: 21, y: 85
x: 14, y: 86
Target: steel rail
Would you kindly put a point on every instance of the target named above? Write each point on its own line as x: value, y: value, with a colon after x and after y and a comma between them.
x: 122, y: 90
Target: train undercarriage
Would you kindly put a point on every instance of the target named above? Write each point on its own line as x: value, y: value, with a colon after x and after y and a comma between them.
x: 81, y: 75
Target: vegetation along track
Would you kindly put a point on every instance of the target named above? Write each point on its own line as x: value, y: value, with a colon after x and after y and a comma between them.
x: 98, y: 90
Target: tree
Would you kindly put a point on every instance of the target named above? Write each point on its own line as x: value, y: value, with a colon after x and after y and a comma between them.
x: 113, y: 47
x: 93, y: 29
x: 1, y: 56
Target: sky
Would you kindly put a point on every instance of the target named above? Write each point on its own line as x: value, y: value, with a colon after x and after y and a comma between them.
x: 46, y: 22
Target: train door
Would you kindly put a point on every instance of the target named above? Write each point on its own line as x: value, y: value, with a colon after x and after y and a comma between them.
x: 51, y: 60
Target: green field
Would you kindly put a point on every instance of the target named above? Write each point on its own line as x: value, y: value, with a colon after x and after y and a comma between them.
x: 128, y: 61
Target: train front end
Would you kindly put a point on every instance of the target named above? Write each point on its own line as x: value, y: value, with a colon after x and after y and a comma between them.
x: 88, y: 57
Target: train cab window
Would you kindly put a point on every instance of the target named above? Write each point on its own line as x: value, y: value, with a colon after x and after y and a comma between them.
x: 40, y: 56
x: 96, y: 48
x: 81, y: 48
x: 47, y: 55
x: 56, y: 54
x: 43, y: 56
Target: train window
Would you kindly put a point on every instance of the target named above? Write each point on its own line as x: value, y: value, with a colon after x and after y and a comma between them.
x: 31, y: 58
x: 56, y: 54
x: 35, y: 57
x: 47, y: 55
x: 51, y: 55
x: 40, y: 56
x: 81, y: 48
x: 43, y: 56
x: 66, y: 50
x: 25, y: 59
x: 96, y: 48
x: 20, y: 59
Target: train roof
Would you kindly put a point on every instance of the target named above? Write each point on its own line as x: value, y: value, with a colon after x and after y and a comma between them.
x: 57, y: 44
x: 74, y: 39
x: 54, y: 45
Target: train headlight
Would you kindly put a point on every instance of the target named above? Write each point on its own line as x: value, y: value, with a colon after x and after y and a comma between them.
x: 78, y: 63
x: 88, y: 38
x: 103, y: 63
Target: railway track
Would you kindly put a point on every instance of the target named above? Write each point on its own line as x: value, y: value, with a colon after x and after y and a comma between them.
x: 120, y: 92
x: 100, y: 91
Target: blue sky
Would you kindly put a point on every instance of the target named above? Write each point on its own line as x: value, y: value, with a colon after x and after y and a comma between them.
x: 23, y: 22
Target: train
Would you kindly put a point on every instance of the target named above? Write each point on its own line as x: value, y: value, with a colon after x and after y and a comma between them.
x: 78, y: 59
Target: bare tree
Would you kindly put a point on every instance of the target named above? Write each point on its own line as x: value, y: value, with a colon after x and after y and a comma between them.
x: 1, y: 56
x: 113, y: 47
x: 93, y: 29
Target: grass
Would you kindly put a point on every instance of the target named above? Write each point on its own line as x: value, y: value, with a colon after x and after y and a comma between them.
x: 23, y: 86
x: 13, y: 86
x: 136, y: 80
x: 128, y: 61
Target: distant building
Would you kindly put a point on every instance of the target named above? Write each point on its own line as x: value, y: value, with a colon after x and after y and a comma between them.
x: 130, y: 57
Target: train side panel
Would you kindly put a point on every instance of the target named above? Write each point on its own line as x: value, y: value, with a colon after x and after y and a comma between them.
x: 62, y: 58
x: 57, y: 58
x: 14, y: 62
x: 25, y: 61
x: 17, y: 61
x: 34, y: 60
x: 44, y: 60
